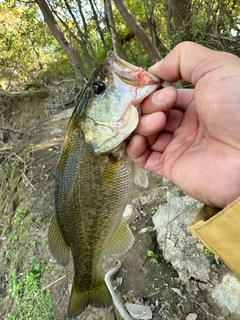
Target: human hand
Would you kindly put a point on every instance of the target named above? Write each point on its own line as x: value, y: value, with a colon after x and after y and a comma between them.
x: 192, y: 136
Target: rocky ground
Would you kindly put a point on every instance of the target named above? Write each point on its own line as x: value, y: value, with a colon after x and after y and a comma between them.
x: 167, y: 274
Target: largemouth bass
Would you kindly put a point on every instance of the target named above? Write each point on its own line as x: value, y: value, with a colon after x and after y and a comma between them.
x: 94, y: 178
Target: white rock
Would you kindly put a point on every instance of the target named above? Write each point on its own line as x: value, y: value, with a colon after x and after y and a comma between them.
x: 92, y: 313
x: 178, y: 245
x: 227, y: 293
x: 178, y: 291
x: 191, y: 316
x: 138, y: 311
x: 130, y: 214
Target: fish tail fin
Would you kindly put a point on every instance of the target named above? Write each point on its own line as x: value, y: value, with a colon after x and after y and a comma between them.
x: 98, y: 296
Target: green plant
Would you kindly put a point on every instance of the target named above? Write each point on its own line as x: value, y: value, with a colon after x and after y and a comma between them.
x: 153, y: 210
x: 5, y: 230
x: 46, y: 176
x: 208, y: 253
x: 153, y: 257
x: 33, y: 89
x: 30, y: 145
x: 8, y: 254
x: 44, y: 241
x: 12, y: 237
x: 30, y: 301
x: 19, y: 214
x: 150, y: 253
x: 14, y: 284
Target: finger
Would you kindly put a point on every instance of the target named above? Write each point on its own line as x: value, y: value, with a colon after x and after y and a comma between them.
x: 174, y: 120
x: 184, y: 98
x: 161, y: 142
x: 151, y: 123
x: 137, y: 150
x: 161, y: 100
x: 190, y: 61
x: 167, y: 98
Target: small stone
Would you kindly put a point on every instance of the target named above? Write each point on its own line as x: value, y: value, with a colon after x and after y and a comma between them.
x: 146, y: 229
x: 177, y: 291
x: 205, y: 306
x: 92, y: 313
x: 169, y: 194
x: 57, y: 132
x: 130, y: 214
x: 138, y: 311
x: 200, y: 247
x: 191, y: 316
x: 203, y: 286
x: 165, y: 181
x: 225, y: 312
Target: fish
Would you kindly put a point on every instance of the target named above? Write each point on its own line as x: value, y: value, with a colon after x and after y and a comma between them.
x: 94, y: 178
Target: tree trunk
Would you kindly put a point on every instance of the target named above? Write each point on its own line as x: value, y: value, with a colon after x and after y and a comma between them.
x: 81, y: 39
x: 72, y: 54
x: 150, y: 8
x: 138, y: 31
x: 180, y: 11
x: 95, y: 17
x: 116, y: 41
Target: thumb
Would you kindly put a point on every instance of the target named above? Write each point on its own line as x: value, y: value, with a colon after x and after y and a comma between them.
x: 191, y: 61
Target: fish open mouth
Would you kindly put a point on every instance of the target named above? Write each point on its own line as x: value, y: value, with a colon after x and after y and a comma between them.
x: 129, y: 73
x: 144, y: 82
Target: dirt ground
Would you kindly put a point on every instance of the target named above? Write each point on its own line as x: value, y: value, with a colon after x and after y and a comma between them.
x: 29, y: 150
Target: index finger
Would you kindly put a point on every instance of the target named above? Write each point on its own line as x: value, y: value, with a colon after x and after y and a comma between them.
x: 166, y: 99
x: 190, y: 61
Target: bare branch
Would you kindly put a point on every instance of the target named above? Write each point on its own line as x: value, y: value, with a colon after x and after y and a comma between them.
x: 218, y: 36
x: 12, y: 130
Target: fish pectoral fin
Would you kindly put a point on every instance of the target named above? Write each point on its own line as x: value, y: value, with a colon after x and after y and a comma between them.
x: 97, y: 295
x: 57, y: 245
x: 140, y: 176
x: 121, y: 241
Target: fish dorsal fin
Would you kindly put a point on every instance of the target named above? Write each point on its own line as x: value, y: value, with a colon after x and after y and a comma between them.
x: 140, y: 176
x: 57, y: 245
x: 121, y: 241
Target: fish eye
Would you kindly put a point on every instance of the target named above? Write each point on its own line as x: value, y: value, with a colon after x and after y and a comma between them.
x: 98, y: 87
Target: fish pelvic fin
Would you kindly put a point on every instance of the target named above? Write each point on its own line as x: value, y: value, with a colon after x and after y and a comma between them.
x: 121, y: 241
x: 57, y: 245
x: 97, y: 295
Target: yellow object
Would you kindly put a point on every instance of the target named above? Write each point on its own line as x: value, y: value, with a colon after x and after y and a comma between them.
x: 219, y: 231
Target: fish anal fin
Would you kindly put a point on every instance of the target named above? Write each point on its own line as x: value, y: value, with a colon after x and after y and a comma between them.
x: 57, y: 245
x: 121, y: 241
x: 97, y: 295
x: 140, y: 176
